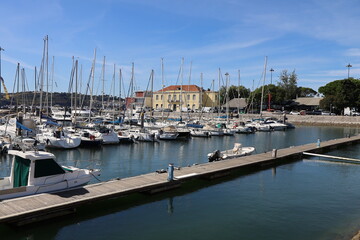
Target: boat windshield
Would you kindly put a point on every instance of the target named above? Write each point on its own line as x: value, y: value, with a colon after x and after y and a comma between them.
x: 47, y: 167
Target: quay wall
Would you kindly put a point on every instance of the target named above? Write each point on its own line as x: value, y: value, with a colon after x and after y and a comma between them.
x: 312, y: 120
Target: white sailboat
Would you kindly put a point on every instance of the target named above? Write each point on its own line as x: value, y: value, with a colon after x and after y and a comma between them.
x: 58, y: 138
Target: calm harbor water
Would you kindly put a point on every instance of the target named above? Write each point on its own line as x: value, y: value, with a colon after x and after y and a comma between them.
x: 308, y: 199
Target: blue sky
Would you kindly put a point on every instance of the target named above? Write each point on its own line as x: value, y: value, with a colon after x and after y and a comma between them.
x: 316, y: 38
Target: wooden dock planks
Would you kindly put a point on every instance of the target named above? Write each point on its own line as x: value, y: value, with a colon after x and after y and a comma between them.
x: 18, y: 209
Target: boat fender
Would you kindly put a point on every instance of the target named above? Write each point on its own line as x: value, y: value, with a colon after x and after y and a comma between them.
x: 161, y: 171
x: 120, y: 133
x: 92, y: 137
x: 4, y: 150
x: 215, y: 156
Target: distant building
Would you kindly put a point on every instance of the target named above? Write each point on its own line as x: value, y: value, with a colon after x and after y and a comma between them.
x: 140, y: 99
x: 307, y: 103
x: 191, y: 97
x: 235, y: 104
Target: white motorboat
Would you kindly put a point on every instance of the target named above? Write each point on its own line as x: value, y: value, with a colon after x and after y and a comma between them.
x: 167, y: 136
x: 213, y: 130
x: 141, y: 135
x: 35, y: 172
x: 276, y: 126
x: 228, y: 132
x: 196, y: 132
x: 244, y: 129
x: 237, y: 151
x: 61, y: 116
x: 89, y: 140
x: 108, y: 136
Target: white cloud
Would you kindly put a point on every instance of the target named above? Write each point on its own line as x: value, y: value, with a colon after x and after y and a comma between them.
x: 16, y: 61
x: 353, y: 52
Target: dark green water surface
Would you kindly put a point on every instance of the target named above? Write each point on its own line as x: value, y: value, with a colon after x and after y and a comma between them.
x: 307, y: 199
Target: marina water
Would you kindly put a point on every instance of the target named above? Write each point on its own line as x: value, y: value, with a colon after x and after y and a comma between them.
x: 306, y: 199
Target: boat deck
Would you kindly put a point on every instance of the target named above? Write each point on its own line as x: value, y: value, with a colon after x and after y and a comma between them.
x: 39, y: 207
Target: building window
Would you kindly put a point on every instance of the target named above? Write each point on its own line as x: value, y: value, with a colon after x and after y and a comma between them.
x: 194, y: 97
x: 174, y: 97
x: 161, y: 97
x: 169, y: 97
x: 156, y: 106
x: 157, y: 97
x: 188, y: 97
x: 161, y: 106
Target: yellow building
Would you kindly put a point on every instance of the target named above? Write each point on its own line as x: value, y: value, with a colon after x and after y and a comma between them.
x: 176, y: 97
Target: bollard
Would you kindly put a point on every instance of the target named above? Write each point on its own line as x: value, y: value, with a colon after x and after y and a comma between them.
x: 170, y: 172
x: 318, y: 143
x: 274, y: 153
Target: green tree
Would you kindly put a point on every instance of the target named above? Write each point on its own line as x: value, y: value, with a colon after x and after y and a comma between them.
x: 305, y: 92
x: 341, y: 94
x: 277, y: 96
x: 234, y: 92
x: 289, y: 83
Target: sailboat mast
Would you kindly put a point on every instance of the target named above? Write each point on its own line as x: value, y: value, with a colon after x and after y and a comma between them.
x: 113, y: 95
x: 52, y: 81
x: 47, y: 75
x: 17, y: 86
x: 80, y: 86
x: 181, y: 87
x: 131, y: 90
x: 239, y: 91
x: 92, y: 84
x: 262, y: 90
x: 42, y: 78
x: 152, y: 91
x: 227, y: 97
x: 219, y: 110
x: 201, y: 91
x: 162, y: 88
x: 188, y: 90
x: 23, y: 78
x: 76, y: 84
x: 103, y: 85
x: 120, y: 78
x: 213, y: 90
x: 36, y: 86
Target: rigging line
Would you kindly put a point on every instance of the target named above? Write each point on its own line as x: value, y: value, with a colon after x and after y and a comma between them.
x: 180, y: 69
x: 87, y: 88
x: 147, y: 88
x: 13, y: 95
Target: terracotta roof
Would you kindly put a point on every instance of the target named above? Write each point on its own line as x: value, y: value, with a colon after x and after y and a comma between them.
x: 185, y: 88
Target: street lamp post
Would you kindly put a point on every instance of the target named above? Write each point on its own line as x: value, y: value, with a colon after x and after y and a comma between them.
x: 330, y: 108
x: 271, y: 71
x: 349, y: 66
x: 269, y: 94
